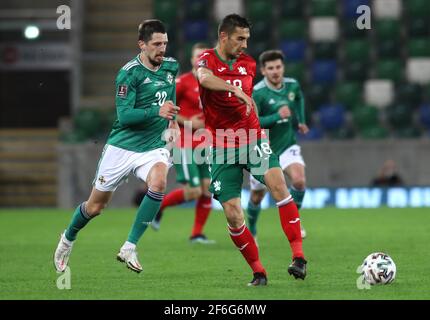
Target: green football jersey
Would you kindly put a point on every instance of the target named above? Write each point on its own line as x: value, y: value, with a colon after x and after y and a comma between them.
x: 269, y: 100
x: 140, y: 92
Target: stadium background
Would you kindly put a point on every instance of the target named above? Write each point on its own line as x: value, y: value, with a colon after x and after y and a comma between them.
x: 367, y: 100
x: 367, y: 91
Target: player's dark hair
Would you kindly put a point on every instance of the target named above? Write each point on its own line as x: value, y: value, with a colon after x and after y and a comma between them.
x: 200, y: 45
x: 230, y: 22
x: 149, y: 27
x: 271, y: 55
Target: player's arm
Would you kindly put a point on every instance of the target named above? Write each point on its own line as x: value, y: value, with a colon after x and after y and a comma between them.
x: 209, y: 81
x: 266, y: 120
x: 303, y: 128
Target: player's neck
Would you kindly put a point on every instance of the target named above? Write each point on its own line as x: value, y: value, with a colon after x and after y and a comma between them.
x: 146, y: 63
x: 276, y: 86
x: 221, y: 53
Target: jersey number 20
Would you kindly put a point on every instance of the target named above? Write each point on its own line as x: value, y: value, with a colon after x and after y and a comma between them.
x: 161, y: 97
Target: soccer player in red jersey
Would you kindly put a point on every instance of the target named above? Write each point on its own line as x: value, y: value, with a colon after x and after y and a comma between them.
x: 192, y: 174
x: 226, y: 75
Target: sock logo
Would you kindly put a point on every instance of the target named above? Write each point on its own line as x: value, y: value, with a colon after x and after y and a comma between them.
x: 243, y: 247
x: 294, y: 221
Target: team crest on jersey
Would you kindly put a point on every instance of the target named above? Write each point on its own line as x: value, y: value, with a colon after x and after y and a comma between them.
x: 122, y: 91
x: 242, y: 70
x: 169, y: 78
x: 291, y: 96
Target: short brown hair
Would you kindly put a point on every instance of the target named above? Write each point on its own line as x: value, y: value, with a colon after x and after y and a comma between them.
x: 271, y: 55
x: 231, y: 21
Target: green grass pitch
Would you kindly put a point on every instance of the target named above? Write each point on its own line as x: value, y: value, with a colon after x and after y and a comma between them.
x: 338, y: 241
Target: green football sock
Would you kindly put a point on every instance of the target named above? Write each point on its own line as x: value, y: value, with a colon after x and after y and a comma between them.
x: 79, y: 220
x: 298, y: 196
x: 253, y: 213
x: 145, y: 214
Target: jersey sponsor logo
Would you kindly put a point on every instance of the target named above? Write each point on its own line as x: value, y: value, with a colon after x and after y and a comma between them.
x: 242, y: 70
x: 272, y: 101
x: 122, y: 91
x: 291, y: 96
x: 159, y: 83
x: 202, y: 63
x: 221, y: 69
x: 147, y: 80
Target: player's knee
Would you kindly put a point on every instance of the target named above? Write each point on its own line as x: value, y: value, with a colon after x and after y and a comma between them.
x: 234, y: 214
x: 158, y: 185
x: 194, y: 193
x: 299, y: 183
x: 94, y: 209
x: 257, y: 197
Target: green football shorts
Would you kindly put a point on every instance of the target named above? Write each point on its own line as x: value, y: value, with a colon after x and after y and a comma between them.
x: 190, y: 169
x: 226, y: 167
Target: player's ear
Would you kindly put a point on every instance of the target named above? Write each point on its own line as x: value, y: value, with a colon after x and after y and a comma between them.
x: 262, y: 70
x: 223, y: 35
x: 141, y: 44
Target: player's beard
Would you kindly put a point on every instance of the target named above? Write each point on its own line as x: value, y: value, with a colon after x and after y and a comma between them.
x: 275, y: 81
x: 154, y: 62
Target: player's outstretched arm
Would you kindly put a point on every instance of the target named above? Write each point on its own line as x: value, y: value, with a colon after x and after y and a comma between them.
x: 211, y: 82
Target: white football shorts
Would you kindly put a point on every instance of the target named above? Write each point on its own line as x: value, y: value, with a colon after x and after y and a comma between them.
x: 291, y: 155
x: 116, y: 164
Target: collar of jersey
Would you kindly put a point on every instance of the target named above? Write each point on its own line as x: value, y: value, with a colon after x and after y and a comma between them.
x: 140, y: 61
x: 228, y: 62
x: 268, y: 85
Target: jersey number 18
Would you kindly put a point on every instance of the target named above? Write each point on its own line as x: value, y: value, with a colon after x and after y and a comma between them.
x: 236, y: 83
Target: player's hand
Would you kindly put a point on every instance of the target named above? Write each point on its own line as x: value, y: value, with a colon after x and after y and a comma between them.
x: 303, y: 129
x: 168, y: 110
x: 284, y: 112
x: 171, y: 134
x: 197, y: 122
x: 242, y: 96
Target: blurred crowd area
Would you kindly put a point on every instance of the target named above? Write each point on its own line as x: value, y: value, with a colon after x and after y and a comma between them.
x: 358, y: 83
x: 369, y: 83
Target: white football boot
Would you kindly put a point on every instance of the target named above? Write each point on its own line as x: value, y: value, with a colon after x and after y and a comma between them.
x: 62, y: 253
x: 128, y: 255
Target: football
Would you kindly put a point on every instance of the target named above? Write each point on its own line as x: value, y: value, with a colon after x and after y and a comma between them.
x: 378, y: 268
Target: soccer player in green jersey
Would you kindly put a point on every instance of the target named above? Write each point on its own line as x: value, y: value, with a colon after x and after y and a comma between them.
x: 280, y: 104
x: 145, y: 105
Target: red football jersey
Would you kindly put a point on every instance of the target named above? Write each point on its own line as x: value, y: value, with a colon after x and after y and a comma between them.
x: 188, y: 99
x: 222, y: 109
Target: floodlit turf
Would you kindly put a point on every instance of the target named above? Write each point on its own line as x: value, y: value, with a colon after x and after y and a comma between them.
x: 338, y: 241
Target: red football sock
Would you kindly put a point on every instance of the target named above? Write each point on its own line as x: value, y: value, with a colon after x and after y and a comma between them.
x: 245, y: 242
x: 173, y: 198
x: 290, y: 221
x: 203, y: 208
